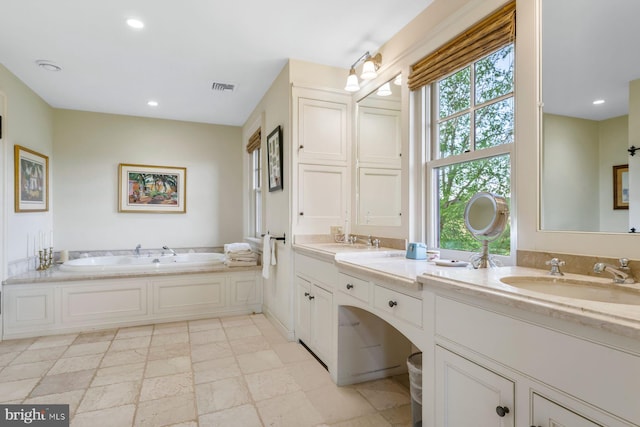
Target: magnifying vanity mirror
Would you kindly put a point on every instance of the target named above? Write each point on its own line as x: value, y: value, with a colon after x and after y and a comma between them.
x: 378, y: 154
x: 591, y: 116
x: 485, y: 216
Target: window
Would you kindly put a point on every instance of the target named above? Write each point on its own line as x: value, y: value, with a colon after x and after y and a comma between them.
x: 255, y: 184
x: 256, y: 210
x: 472, y: 117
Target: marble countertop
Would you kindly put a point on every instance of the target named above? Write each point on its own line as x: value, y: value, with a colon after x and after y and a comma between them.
x: 390, y: 266
x: 54, y: 274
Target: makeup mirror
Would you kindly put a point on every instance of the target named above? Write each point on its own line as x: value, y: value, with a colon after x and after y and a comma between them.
x: 485, y: 216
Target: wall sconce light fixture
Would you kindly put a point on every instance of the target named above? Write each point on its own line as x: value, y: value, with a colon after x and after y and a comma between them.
x: 369, y: 71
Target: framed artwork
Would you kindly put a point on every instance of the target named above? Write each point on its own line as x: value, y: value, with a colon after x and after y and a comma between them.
x: 621, y: 187
x: 152, y: 189
x: 274, y: 154
x: 31, y: 180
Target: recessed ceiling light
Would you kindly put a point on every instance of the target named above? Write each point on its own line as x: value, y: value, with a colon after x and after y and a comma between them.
x: 598, y: 102
x: 135, y: 23
x: 48, y: 65
x: 152, y: 103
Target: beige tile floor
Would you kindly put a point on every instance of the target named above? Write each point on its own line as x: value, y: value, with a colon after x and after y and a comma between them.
x: 236, y: 371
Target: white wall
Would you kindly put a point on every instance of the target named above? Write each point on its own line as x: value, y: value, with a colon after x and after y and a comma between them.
x: 88, y: 148
x: 614, y: 139
x: 27, y: 121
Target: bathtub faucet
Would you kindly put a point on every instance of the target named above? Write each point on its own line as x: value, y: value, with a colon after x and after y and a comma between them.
x: 167, y: 248
x: 137, y: 250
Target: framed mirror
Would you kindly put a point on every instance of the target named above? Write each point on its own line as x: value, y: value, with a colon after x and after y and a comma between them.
x: 378, y: 156
x: 590, y: 79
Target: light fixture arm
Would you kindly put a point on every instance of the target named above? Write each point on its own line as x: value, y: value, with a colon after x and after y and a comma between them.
x: 377, y: 59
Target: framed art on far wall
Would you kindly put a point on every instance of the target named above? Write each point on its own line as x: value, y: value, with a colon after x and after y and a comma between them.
x: 31, y: 180
x: 274, y: 154
x: 621, y: 187
x: 152, y: 189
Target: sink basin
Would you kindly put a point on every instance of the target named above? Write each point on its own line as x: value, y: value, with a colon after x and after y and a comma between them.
x: 579, y: 289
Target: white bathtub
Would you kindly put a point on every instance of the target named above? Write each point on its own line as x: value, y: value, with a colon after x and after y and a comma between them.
x: 132, y: 263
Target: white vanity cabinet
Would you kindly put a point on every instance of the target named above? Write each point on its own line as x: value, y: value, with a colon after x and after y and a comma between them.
x: 322, y: 197
x: 490, y: 357
x: 314, y: 314
x: 468, y: 394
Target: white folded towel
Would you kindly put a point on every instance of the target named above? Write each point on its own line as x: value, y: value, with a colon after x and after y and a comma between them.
x: 237, y: 247
x: 266, y: 255
x: 273, y: 252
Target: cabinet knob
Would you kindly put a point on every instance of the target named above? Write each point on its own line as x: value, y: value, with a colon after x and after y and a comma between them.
x: 502, y: 411
x: 306, y: 294
x: 301, y: 213
x: 349, y: 286
x: 393, y: 303
x: 301, y: 147
x: 311, y: 297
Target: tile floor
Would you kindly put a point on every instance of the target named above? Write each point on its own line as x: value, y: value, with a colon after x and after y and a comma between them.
x: 236, y: 371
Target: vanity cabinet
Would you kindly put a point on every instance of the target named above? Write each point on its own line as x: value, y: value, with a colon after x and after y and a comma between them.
x: 313, y: 311
x: 561, y: 373
x: 314, y: 308
x: 468, y: 394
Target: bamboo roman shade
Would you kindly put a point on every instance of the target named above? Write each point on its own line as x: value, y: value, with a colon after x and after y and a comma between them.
x: 254, y: 141
x: 492, y: 33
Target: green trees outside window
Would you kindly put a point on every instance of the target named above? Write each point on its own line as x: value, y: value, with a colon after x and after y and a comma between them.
x: 475, y: 112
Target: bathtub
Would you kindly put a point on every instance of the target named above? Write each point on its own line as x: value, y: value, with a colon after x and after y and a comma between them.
x: 132, y: 263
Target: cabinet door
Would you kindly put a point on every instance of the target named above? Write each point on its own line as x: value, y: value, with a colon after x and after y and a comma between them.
x: 302, y: 320
x: 322, y: 198
x: 467, y: 394
x: 323, y: 128
x: 549, y: 414
x: 379, y: 136
x: 321, y: 322
x: 379, y: 196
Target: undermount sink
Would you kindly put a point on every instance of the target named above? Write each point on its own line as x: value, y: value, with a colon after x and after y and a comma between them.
x: 579, y: 289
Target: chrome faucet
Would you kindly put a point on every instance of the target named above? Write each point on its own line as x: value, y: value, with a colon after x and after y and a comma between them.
x: 167, y: 248
x: 137, y: 250
x: 555, y: 264
x: 620, y: 274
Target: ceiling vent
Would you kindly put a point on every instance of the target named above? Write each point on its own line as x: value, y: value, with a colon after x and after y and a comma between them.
x: 223, y: 87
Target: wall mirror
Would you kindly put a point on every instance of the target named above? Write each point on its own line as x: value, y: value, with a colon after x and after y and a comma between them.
x: 590, y: 78
x: 378, y: 154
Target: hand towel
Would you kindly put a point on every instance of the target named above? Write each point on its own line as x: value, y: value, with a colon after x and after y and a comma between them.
x: 266, y: 255
x: 237, y: 247
x: 273, y: 252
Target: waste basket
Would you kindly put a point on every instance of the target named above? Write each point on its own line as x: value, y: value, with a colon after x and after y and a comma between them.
x: 414, y: 363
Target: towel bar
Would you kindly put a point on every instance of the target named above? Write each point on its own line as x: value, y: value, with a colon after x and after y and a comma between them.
x: 283, y: 238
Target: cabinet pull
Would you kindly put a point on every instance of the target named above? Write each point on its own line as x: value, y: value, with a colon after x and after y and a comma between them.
x: 301, y: 213
x: 393, y: 303
x: 306, y: 294
x: 311, y: 297
x: 300, y: 147
x: 502, y: 411
x: 349, y: 286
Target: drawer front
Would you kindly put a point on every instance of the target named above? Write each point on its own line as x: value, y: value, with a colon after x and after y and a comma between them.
x: 400, y: 305
x: 354, y: 286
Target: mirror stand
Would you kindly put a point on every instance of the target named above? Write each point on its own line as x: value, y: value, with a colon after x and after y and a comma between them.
x: 486, y: 218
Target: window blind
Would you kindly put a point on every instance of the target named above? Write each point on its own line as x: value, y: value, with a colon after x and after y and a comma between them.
x: 488, y: 35
x: 254, y: 141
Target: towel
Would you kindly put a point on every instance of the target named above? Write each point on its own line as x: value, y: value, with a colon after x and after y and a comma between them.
x: 273, y: 252
x: 235, y: 263
x: 266, y: 255
x: 237, y: 248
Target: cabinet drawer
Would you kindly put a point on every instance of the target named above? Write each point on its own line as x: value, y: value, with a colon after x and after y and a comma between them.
x: 354, y: 286
x: 400, y: 305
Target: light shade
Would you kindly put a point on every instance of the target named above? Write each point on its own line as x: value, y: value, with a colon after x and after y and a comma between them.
x: 384, y: 90
x: 368, y: 70
x: 352, y: 82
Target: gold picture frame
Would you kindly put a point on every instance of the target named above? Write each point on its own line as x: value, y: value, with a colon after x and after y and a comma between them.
x: 31, y: 178
x: 152, y: 189
x: 621, y: 187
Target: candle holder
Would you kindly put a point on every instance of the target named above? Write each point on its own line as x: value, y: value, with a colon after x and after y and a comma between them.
x: 45, y: 259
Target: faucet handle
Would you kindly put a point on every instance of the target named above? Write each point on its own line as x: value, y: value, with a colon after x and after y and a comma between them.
x: 555, y: 264
x: 624, y: 263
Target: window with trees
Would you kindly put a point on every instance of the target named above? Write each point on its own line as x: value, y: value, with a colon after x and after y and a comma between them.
x: 472, y: 117
x: 255, y: 183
